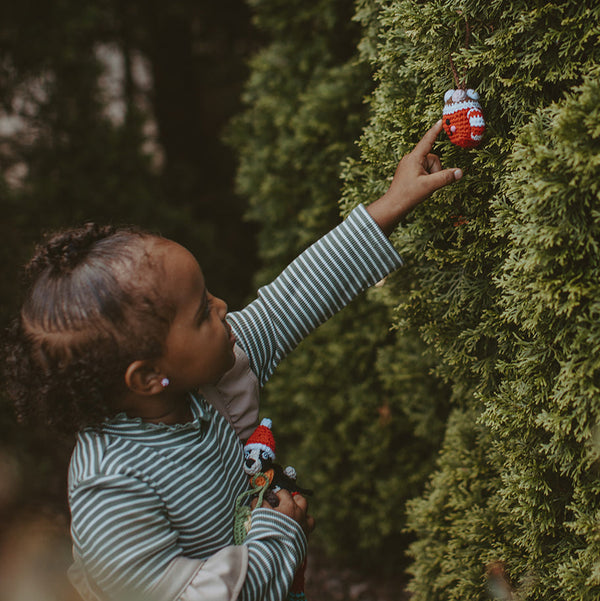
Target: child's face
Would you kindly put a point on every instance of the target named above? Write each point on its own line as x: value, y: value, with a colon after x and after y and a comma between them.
x: 199, y: 346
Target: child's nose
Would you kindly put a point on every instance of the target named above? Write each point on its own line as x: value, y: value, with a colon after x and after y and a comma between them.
x: 221, y: 307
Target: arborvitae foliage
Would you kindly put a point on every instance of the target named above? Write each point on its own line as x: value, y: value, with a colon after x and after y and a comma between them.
x: 349, y: 436
x: 457, y: 524
x: 545, y: 414
x: 344, y: 426
x: 506, y: 309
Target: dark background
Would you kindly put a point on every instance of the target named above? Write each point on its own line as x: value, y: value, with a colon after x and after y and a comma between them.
x: 111, y: 111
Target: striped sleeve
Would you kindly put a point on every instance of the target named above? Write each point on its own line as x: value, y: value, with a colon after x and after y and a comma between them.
x: 320, y: 282
x: 276, y: 547
x: 120, y: 528
x: 127, y: 544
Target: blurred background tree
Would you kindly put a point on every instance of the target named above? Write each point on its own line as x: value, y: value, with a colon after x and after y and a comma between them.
x: 112, y: 111
x: 117, y: 110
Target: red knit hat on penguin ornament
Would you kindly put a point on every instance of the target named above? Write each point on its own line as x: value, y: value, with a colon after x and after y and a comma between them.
x: 262, y: 438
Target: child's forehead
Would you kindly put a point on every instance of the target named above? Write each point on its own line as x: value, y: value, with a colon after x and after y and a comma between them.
x: 177, y: 270
x: 171, y: 253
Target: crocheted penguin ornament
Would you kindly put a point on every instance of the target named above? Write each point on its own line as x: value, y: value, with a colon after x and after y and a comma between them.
x: 268, y: 477
x: 259, y: 456
x: 462, y: 117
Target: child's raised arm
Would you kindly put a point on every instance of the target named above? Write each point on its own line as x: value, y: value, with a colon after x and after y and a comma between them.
x: 418, y: 175
x: 330, y: 273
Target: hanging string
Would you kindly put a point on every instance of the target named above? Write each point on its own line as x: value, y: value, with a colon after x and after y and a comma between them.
x: 242, y: 513
x: 460, y: 84
x: 457, y: 83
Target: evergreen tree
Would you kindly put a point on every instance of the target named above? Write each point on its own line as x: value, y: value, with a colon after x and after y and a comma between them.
x: 545, y: 412
x: 303, y: 110
x: 347, y: 427
x: 511, y: 500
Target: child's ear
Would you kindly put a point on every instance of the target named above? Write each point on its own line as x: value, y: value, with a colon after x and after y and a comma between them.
x: 142, y: 377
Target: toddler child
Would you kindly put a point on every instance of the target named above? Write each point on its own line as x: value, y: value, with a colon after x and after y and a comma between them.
x: 119, y: 340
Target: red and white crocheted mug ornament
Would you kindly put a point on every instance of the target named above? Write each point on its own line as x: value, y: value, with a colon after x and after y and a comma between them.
x: 462, y: 117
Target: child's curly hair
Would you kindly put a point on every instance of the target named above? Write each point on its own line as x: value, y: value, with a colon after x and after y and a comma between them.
x: 90, y: 310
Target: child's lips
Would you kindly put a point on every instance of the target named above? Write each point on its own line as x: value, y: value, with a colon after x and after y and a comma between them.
x: 232, y: 337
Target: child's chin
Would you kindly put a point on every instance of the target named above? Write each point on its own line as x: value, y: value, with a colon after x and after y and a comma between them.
x: 228, y: 364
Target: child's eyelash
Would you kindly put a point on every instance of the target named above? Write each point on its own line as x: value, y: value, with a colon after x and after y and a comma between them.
x: 206, y: 311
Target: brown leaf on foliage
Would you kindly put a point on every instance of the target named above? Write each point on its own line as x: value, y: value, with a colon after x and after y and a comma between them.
x: 385, y: 414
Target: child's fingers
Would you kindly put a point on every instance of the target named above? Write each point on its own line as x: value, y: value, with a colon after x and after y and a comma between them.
x: 287, y: 503
x: 300, y: 501
x: 285, y: 498
x: 302, y: 504
x: 265, y: 504
x: 442, y: 178
x: 432, y: 163
x: 295, y: 506
x: 425, y: 144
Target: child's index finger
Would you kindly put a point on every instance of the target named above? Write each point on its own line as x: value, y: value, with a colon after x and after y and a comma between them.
x: 425, y: 144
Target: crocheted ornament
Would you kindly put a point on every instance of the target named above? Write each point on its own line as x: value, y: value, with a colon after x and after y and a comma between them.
x: 259, y: 457
x: 462, y: 117
x: 262, y: 439
x: 266, y: 477
x: 242, y: 514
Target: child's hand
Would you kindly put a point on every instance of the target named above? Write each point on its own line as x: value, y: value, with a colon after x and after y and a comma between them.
x: 294, y: 507
x: 418, y: 174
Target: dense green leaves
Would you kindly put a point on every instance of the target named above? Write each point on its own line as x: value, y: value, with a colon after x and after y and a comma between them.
x: 549, y: 286
x: 361, y: 435
x: 500, y: 284
x: 304, y: 109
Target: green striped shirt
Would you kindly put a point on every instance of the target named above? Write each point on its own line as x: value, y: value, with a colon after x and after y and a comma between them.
x: 144, y: 494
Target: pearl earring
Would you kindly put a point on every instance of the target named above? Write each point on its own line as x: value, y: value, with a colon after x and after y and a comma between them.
x: 164, y: 382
